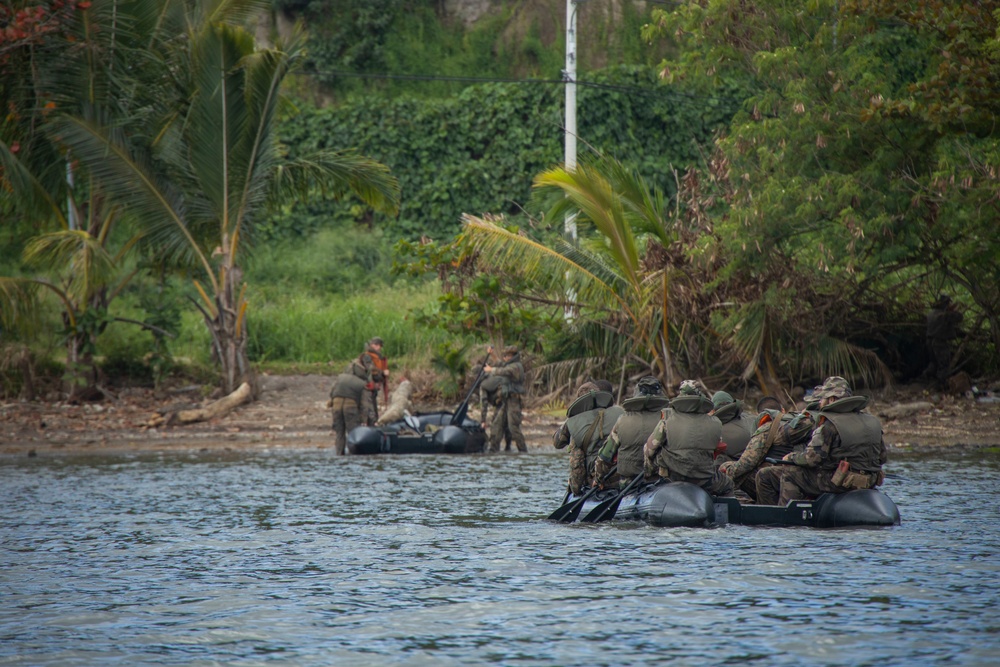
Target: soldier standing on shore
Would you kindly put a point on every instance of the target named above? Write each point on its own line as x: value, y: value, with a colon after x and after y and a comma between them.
x: 942, y: 329
x: 377, y: 367
x: 508, y: 414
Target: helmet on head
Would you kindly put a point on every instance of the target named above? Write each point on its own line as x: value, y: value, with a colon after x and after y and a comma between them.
x: 585, y: 389
x: 510, y: 351
x: 721, y: 398
x: 649, y: 386
x: 376, y: 341
x: 943, y: 301
x: 833, y: 387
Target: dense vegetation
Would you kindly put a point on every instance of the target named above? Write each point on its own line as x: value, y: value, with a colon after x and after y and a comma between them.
x: 780, y: 198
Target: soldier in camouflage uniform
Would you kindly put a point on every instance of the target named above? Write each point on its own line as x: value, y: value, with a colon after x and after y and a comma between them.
x: 642, y: 412
x: 377, y: 368
x: 491, y: 391
x: 737, y: 425
x: 682, y: 446
x: 346, y: 398
x: 846, y: 451
x: 590, y: 419
x: 508, y: 416
x: 777, y: 434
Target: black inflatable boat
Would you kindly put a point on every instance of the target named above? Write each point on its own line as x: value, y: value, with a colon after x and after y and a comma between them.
x: 677, y: 504
x: 432, y: 433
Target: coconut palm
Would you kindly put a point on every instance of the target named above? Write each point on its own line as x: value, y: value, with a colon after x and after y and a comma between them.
x: 610, y: 283
x: 214, y: 167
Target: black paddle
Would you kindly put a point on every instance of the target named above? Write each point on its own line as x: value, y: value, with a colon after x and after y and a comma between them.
x: 568, y: 512
x: 606, y: 510
x: 463, y: 408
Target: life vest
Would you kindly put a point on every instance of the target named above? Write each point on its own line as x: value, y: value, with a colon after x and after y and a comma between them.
x: 642, y: 414
x: 860, y: 434
x: 692, y: 436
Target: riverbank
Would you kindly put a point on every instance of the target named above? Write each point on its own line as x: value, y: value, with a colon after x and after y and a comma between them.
x: 292, y: 412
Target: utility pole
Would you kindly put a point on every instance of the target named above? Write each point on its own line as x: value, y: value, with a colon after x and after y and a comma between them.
x: 569, y: 76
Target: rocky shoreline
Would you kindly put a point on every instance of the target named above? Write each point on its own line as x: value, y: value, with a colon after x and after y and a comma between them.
x: 292, y: 413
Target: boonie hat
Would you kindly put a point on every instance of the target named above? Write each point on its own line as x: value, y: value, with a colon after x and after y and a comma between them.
x: 833, y: 387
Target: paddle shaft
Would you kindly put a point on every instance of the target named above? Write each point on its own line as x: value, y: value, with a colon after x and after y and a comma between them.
x: 609, y: 507
x: 782, y: 462
x: 463, y: 408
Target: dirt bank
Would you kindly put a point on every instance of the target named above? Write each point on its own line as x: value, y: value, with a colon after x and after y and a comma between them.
x: 292, y: 412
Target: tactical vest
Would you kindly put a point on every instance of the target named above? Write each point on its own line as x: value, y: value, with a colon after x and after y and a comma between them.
x: 860, y: 435
x: 348, y: 385
x: 642, y: 414
x: 516, y: 377
x: 494, y: 389
x: 579, y: 425
x: 737, y: 428
x: 691, y: 441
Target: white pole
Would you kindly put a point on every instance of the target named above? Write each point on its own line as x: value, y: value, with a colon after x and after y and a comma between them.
x: 569, y: 76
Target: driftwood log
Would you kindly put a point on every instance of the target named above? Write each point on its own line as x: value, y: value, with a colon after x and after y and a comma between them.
x: 399, y: 403
x: 215, y: 409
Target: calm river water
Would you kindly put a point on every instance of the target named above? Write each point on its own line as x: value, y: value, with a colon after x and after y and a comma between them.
x: 300, y: 558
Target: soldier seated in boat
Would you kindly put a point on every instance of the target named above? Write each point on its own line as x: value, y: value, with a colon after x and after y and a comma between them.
x: 589, y: 420
x: 682, y: 446
x: 738, y: 425
x: 846, y: 450
x: 629, y: 434
x: 778, y: 433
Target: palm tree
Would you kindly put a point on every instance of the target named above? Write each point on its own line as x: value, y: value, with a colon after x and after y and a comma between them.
x: 610, y: 282
x: 202, y: 179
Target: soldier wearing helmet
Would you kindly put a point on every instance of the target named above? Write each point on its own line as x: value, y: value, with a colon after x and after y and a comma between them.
x: 846, y: 451
x: 683, y: 443
x: 942, y: 328
x: 642, y: 412
x: 507, y: 417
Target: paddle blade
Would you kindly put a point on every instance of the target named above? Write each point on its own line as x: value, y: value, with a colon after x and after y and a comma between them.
x: 568, y: 512
x: 603, y: 512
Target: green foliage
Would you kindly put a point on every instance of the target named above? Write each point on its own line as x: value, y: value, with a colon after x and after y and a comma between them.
x: 478, y: 152
x: 450, y: 359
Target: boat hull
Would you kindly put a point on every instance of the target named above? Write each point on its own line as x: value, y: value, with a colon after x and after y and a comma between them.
x: 430, y: 433
x: 680, y: 504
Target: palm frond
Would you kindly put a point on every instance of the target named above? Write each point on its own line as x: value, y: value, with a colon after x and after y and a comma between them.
x: 832, y: 356
x: 87, y: 261
x: 549, y: 270
x: 18, y: 304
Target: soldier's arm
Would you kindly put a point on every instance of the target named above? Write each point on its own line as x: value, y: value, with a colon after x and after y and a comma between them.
x: 883, y: 453
x: 752, y: 456
x: 818, y: 449
x: 655, y: 441
x: 561, y: 437
x: 610, y: 447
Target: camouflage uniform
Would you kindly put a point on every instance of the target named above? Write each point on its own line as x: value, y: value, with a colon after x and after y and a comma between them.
x: 777, y: 435
x: 346, y: 397
x: 377, y: 367
x: 491, y: 391
x: 508, y: 415
x: 942, y: 328
x: 641, y: 414
x: 682, y: 446
x: 585, y: 430
x: 845, y: 436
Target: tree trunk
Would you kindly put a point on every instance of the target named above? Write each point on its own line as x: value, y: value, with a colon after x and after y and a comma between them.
x: 229, y: 335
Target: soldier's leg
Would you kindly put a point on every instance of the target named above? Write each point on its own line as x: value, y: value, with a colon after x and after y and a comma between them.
x: 497, y: 426
x: 804, y: 484
x: 721, y: 484
x: 748, y: 484
x: 514, y: 421
x: 579, y: 476
x: 769, y: 485
x: 339, y: 427
x: 352, y: 417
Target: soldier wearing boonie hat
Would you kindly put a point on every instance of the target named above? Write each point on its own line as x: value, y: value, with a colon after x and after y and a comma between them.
x: 846, y: 451
x: 683, y: 444
x: 642, y: 412
x: 590, y: 418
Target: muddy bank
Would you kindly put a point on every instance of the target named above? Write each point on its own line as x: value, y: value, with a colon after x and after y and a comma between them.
x: 292, y: 412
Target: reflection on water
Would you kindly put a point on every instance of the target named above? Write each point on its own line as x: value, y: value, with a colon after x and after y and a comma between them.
x: 299, y: 558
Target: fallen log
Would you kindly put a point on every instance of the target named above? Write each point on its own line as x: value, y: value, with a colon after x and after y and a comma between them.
x: 215, y: 409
